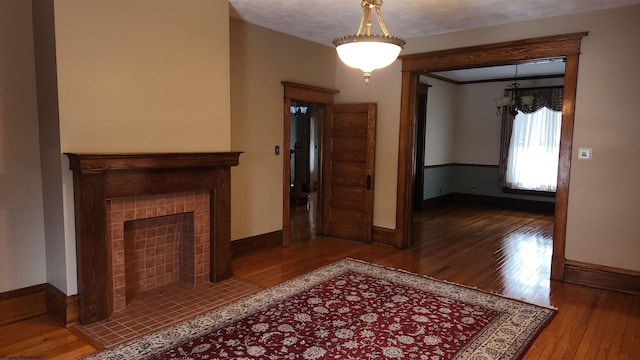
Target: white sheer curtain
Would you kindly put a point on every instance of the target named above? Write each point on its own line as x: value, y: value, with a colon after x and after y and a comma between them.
x: 534, y: 150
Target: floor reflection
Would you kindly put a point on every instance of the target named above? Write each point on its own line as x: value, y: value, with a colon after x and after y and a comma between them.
x: 527, y: 266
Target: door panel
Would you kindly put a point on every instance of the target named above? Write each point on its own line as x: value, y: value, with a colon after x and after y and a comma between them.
x: 348, y: 173
x: 350, y: 194
x: 346, y: 217
x: 351, y: 145
x: 347, y: 166
x: 347, y: 198
x: 347, y: 156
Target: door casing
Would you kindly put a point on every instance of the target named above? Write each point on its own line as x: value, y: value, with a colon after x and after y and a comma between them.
x: 305, y: 93
x: 510, y: 52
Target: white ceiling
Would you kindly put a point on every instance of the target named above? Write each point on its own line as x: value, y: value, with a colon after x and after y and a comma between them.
x: 322, y: 21
x: 528, y: 70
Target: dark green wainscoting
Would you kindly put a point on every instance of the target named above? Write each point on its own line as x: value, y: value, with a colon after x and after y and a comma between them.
x: 476, y: 185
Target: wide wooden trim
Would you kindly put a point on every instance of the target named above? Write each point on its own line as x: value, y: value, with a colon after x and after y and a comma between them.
x: 20, y: 304
x: 422, y: 95
x: 602, y: 277
x: 248, y: 245
x: 313, y: 94
x: 309, y: 93
x: 564, y: 167
x: 383, y: 235
x: 64, y: 308
x: 455, y: 82
x: 286, y: 173
x: 98, y: 163
x: 405, y: 159
x: 494, y: 54
x: 511, y: 52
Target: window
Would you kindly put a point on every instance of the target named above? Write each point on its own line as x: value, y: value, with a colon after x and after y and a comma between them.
x: 532, y: 163
x: 530, y: 143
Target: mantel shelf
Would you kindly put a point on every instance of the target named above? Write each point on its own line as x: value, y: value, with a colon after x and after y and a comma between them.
x: 93, y: 163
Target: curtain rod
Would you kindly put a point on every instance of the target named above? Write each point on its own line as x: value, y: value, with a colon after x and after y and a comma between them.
x: 537, y: 88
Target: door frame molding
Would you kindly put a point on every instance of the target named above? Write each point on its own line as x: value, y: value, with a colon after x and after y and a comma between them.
x: 307, y: 93
x: 510, y: 52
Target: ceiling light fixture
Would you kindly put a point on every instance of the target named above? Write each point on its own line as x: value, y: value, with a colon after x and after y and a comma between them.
x: 365, y: 51
x: 513, y: 103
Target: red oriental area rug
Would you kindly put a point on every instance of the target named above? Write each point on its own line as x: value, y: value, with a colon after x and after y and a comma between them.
x: 351, y: 310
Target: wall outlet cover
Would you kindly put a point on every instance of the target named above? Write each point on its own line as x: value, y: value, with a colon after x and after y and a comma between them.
x: 584, y: 153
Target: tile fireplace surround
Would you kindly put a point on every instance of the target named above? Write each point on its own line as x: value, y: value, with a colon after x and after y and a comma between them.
x: 154, y: 240
x: 113, y: 189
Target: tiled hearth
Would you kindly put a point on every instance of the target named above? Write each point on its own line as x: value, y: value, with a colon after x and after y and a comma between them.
x: 154, y: 309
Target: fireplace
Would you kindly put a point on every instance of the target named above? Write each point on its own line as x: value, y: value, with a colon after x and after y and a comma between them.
x: 125, y: 195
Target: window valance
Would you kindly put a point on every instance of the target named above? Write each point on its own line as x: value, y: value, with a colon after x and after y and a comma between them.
x: 549, y: 97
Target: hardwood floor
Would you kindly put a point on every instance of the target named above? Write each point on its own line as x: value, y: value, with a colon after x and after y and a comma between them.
x: 41, y: 338
x: 499, y: 251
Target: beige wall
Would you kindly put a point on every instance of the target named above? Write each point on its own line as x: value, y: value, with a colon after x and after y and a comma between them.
x: 477, y: 137
x: 604, y: 201
x: 604, y: 198
x: 22, y: 247
x: 139, y: 76
x: 441, y: 121
x: 143, y: 75
x: 260, y: 60
x: 59, y: 246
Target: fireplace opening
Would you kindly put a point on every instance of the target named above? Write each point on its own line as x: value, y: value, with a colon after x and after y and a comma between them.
x: 158, y: 251
x: 156, y: 240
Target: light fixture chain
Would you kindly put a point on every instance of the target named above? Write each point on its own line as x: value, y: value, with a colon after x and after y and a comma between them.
x: 381, y: 22
x: 365, y: 20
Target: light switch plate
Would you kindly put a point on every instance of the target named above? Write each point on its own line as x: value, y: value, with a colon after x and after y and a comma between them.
x: 584, y: 153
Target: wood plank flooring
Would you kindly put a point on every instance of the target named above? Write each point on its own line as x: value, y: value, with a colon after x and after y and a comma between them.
x: 499, y: 251
x: 41, y: 338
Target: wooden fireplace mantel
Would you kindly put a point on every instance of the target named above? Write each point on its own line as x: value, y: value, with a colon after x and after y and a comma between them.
x: 97, y: 163
x: 99, y: 177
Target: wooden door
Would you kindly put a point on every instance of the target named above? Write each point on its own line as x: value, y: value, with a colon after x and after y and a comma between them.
x: 347, y: 171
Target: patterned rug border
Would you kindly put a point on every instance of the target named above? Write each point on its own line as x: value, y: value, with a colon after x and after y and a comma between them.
x: 513, y: 311
x: 452, y: 283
